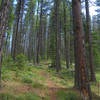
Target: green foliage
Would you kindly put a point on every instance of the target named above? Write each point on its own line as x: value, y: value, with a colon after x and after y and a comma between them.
x: 37, y: 85
x: 8, y: 63
x: 71, y: 95
x: 0, y: 2
x: 6, y: 96
x: 29, y: 96
x: 20, y: 61
x: 7, y: 74
x: 98, y: 76
x: 96, y: 50
x: 19, y: 64
x: 27, y: 80
x: 96, y: 58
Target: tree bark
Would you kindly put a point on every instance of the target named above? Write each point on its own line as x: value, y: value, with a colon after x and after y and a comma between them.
x: 57, y: 32
x: 80, y: 63
x: 4, y: 12
x: 15, y: 48
x: 66, y: 37
x: 30, y: 50
x: 21, y: 29
x: 37, y: 43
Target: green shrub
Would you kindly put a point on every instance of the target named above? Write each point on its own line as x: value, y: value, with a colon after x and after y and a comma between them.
x: 37, y: 85
x: 17, y: 73
x: 6, y: 96
x: 29, y: 96
x: 61, y: 95
x: 20, y: 98
x: 6, y: 74
x: 27, y: 80
x: 20, y: 61
x: 6, y: 77
x: 28, y: 68
x: 70, y: 95
x: 8, y: 63
x: 96, y: 50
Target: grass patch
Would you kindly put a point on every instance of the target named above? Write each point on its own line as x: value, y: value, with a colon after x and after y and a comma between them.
x: 27, y: 80
x: 98, y: 76
x: 29, y: 96
x: 38, y: 85
x: 7, y: 74
x: 7, y: 96
x: 70, y: 95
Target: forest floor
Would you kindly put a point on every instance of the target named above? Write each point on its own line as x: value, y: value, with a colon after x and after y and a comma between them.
x: 36, y: 82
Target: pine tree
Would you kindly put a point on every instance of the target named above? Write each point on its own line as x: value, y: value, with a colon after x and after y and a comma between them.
x: 89, y: 40
x: 81, y: 72
x: 4, y: 16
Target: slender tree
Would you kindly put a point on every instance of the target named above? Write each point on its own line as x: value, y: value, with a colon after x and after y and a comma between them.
x: 21, y: 27
x: 31, y: 32
x: 37, y: 37
x: 57, y: 33
x: 15, y: 45
x: 89, y: 40
x: 66, y: 37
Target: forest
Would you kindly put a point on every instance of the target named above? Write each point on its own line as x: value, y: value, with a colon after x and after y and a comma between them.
x: 49, y: 49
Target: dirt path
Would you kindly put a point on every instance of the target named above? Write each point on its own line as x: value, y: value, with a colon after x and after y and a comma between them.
x: 52, y: 87
x: 52, y: 90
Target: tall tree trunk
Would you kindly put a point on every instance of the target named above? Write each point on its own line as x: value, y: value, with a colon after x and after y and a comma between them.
x: 34, y: 49
x: 89, y: 40
x: 21, y: 28
x: 57, y: 32
x: 37, y: 43
x: 15, y: 48
x: 30, y: 50
x: 44, y: 37
x: 7, y: 45
x: 41, y: 30
x: 48, y: 43
x: 4, y: 12
x: 66, y: 37
x: 84, y: 85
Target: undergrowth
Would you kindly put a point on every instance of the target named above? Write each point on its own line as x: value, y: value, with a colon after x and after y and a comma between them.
x: 21, y: 73
x: 69, y: 95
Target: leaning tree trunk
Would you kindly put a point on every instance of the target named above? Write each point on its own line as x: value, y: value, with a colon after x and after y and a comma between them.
x: 89, y: 40
x: 4, y: 12
x: 84, y: 85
